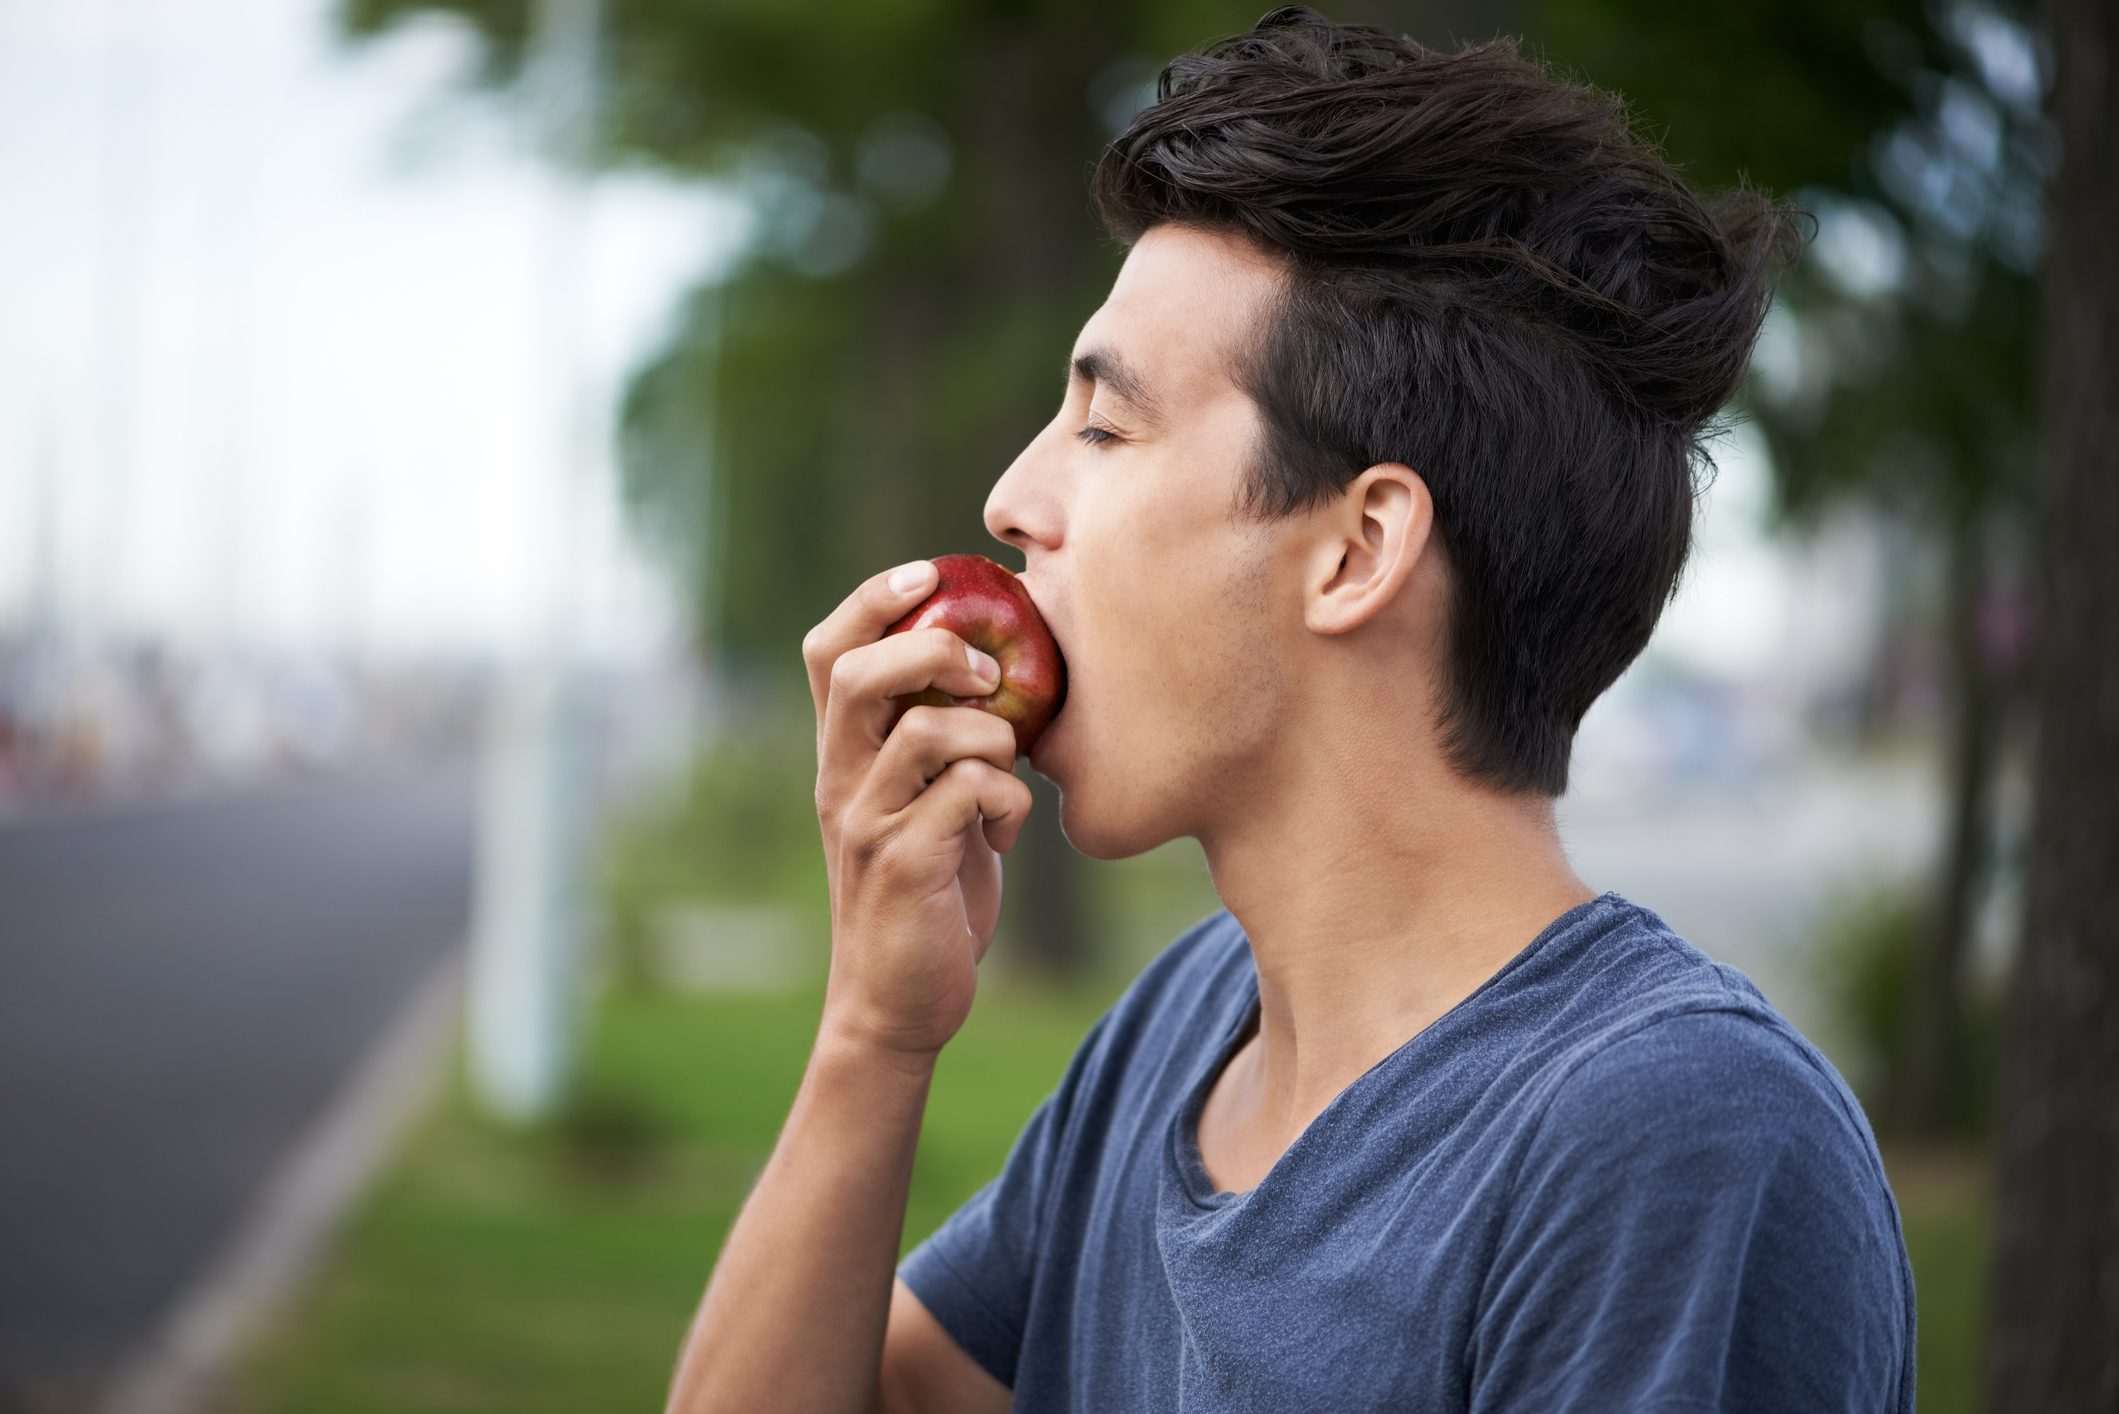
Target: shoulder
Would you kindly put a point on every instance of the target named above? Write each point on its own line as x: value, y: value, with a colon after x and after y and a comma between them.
x: 1711, y: 1113
x: 1703, y: 1070
x: 1698, y: 1180
x: 1644, y: 1022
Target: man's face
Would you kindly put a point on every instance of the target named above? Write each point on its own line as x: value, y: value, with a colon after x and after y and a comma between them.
x: 1163, y: 603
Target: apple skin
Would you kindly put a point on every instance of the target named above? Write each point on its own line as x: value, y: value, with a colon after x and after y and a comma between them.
x: 986, y: 605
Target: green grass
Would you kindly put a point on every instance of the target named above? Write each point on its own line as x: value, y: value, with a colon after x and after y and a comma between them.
x: 556, y: 1269
x: 1944, y: 1204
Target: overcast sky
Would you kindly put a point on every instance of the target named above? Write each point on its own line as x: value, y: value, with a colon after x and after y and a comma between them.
x: 271, y: 355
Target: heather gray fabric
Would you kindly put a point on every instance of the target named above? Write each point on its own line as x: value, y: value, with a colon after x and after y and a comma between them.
x: 1612, y: 1178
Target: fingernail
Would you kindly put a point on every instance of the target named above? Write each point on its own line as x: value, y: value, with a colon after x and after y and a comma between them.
x: 906, y: 578
x: 982, y: 665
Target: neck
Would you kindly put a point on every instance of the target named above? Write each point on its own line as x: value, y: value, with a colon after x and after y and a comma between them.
x: 1373, y: 903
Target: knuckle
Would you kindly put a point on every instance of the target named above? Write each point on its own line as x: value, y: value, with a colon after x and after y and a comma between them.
x: 946, y: 644
x: 842, y: 672
x: 813, y: 644
x: 924, y: 726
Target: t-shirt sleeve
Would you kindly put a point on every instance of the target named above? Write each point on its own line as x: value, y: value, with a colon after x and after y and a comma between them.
x: 1697, y: 1224
x: 974, y: 1272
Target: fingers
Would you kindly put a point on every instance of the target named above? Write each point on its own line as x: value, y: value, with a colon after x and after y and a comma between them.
x: 969, y: 790
x: 863, y: 681
x: 922, y: 746
x: 861, y: 618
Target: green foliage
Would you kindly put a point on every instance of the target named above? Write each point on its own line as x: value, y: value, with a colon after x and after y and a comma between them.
x: 1947, y: 1225
x: 1784, y: 94
x: 739, y: 827
x: 1867, y: 950
x: 1910, y: 392
x: 844, y: 397
x: 604, y: 1136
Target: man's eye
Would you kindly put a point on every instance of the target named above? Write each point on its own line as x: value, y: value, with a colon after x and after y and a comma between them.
x: 1095, y: 436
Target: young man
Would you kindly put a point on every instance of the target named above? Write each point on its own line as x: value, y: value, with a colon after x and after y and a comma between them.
x: 1373, y: 472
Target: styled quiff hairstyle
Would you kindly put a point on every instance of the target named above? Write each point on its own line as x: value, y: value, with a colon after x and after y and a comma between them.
x: 1493, y: 279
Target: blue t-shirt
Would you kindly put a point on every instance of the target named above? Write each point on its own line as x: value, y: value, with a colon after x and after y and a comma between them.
x: 1612, y: 1178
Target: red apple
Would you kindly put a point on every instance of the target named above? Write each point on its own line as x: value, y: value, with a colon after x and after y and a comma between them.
x: 986, y: 605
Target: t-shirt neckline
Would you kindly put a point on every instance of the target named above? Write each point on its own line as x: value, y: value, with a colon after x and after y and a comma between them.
x: 1199, y: 1190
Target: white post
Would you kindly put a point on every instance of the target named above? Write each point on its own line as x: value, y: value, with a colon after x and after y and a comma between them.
x: 529, y: 918
x: 531, y: 907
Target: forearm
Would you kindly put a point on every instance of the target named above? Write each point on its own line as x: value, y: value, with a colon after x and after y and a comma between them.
x: 794, y: 1315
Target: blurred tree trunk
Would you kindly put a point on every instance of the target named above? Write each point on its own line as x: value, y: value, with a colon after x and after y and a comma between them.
x: 2053, y: 1336
x: 1930, y: 1083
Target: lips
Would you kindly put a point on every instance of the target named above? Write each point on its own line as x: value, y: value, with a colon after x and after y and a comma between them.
x: 1042, y: 748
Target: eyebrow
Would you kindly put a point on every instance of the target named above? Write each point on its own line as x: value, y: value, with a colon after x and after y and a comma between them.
x: 1105, y: 368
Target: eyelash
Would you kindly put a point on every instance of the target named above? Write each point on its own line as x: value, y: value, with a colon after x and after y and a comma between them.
x: 1095, y: 436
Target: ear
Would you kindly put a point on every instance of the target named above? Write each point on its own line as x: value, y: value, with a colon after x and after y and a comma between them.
x: 1368, y: 544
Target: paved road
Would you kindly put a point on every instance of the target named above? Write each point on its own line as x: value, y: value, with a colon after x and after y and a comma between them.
x: 181, y: 989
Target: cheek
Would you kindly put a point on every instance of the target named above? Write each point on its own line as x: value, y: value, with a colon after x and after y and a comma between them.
x: 1159, y: 612
x: 1141, y: 517
x: 1131, y: 567
x: 1166, y: 638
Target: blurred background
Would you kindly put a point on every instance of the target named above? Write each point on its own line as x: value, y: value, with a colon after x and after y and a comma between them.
x: 427, y: 429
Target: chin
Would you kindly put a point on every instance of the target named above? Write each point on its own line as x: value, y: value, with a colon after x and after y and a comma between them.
x: 1101, y: 835
x: 1102, y: 814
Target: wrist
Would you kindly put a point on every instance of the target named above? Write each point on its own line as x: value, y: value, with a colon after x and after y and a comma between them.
x: 844, y: 1046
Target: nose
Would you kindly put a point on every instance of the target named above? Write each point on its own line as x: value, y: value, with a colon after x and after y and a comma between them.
x: 1023, y: 508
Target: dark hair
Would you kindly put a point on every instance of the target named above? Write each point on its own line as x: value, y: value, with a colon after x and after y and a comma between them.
x: 1494, y: 280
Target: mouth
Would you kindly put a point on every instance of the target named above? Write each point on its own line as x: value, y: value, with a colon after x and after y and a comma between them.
x: 1052, y: 626
x: 1044, y: 612
x: 1041, y: 749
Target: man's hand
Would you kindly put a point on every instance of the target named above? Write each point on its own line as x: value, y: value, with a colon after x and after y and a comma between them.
x: 913, y: 822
